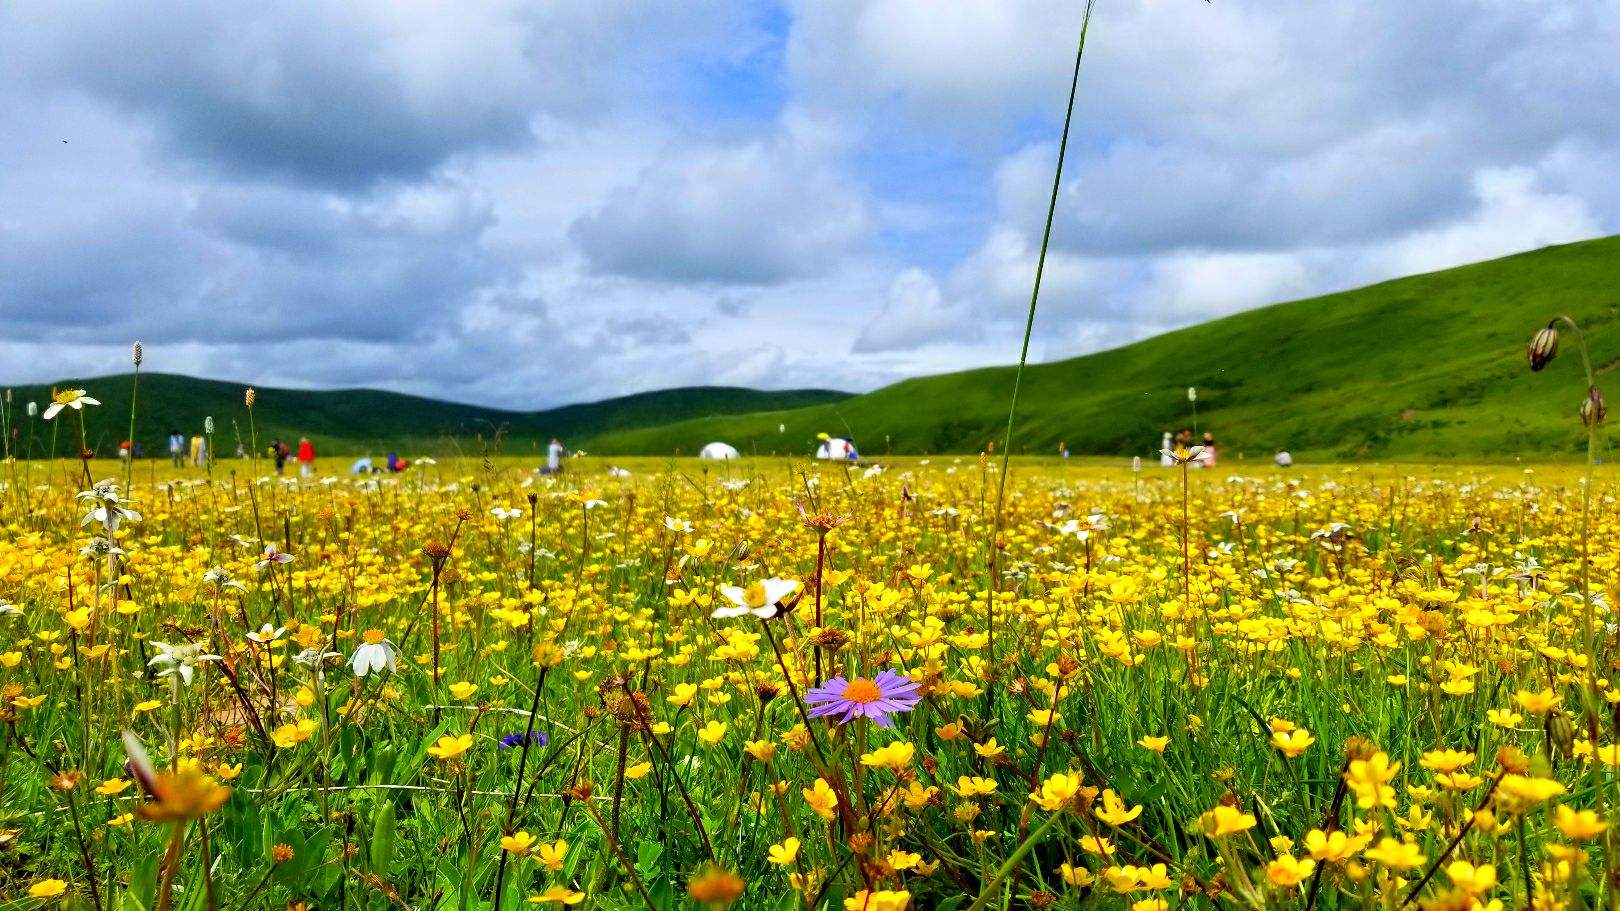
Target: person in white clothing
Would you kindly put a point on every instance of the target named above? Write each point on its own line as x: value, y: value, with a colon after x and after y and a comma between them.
x: 554, y: 456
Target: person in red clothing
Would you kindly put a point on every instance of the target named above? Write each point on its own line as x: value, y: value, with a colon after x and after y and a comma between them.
x: 306, y: 457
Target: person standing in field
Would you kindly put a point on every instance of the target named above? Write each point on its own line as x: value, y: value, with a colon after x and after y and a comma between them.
x: 177, y: 448
x: 196, y: 449
x: 554, y: 455
x: 279, y: 452
x: 306, y: 458
x: 1208, y: 455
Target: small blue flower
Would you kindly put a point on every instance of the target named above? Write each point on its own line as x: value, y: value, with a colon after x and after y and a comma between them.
x: 539, y: 738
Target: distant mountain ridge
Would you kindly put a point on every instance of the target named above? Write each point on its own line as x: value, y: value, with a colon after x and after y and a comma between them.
x: 1419, y: 367
x: 1422, y: 367
x: 352, y: 421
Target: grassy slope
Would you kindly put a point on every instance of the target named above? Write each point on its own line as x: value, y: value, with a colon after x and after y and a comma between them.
x: 1429, y: 365
x: 365, y: 420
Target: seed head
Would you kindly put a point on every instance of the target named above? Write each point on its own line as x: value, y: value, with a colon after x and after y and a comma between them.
x: 830, y: 639
x: 1543, y: 348
x: 1359, y: 748
x: 250, y: 397
x: 281, y: 853
x: 135, y: 354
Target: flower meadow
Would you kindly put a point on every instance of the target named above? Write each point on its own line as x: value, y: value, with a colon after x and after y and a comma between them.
x: 778, y: 684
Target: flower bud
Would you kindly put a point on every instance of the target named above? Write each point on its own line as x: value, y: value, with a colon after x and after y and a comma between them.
x: 1561, y: 733
x: 1593, y: 408
x: 1543, y: 348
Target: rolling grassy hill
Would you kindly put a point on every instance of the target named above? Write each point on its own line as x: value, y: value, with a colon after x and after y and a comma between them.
x: 1425, y: 366
x: 366, y: 420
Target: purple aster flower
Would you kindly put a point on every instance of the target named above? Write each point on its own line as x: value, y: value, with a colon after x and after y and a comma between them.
x: 513, y: 740
x: 875, y: 699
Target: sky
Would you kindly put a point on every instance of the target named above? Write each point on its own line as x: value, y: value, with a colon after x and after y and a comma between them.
x: 524, y: 204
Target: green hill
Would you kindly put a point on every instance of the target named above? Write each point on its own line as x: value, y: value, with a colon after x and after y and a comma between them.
x: 1425, y: 366
x: 352, y: 421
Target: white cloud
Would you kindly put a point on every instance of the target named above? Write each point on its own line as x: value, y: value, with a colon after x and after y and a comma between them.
x: 759, y: 212
x: 1514, y: 213
x: 914, y: 313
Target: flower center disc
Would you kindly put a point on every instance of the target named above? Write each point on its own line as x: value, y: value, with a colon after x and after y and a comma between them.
x: 754, y: 595
x: 862, y: 690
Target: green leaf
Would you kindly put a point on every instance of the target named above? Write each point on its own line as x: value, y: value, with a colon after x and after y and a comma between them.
x: 383, y: 837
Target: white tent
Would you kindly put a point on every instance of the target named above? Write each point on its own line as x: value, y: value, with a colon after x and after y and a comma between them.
x: 719, y: 451
x: 835, y: 448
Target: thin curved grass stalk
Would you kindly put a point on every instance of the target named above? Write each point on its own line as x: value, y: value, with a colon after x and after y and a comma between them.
x: 992, y: 542
x: 1590, y: 699
x: 1012, y: 862
x: 169, y: 866
x: 517, y: 784
x: 618, y: 852
x: 1451, y: 847
x: 134, y: 390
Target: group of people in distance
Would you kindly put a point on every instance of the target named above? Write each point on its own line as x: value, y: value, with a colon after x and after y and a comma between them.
x: 1173, y: 450
x: 1176, y: 449
x: 279, y: 453
x: 181, y: 452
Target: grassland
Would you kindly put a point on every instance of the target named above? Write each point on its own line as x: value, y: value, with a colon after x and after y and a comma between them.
x: 1424, y: 367
x: 353, y: 421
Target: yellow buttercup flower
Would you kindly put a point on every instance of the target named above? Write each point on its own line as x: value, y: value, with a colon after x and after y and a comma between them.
x: 47, y: 888
x: 784, y: 853
x: 1153, y: 742
x: 1288, y: 871
x: 552, y: 856
x: 1227, y: 820
x: 557, y: 895
x: 895, y: 756
x: 1115, y: 811
x: 451, y: 746
x: 974, y: 786
x: 518, y: 842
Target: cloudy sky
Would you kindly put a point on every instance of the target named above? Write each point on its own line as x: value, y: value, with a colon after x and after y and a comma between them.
x: 529, y: 203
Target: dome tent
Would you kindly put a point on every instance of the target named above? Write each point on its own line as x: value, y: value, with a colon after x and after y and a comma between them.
x: 718, y: 450
x: 835, y: 448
